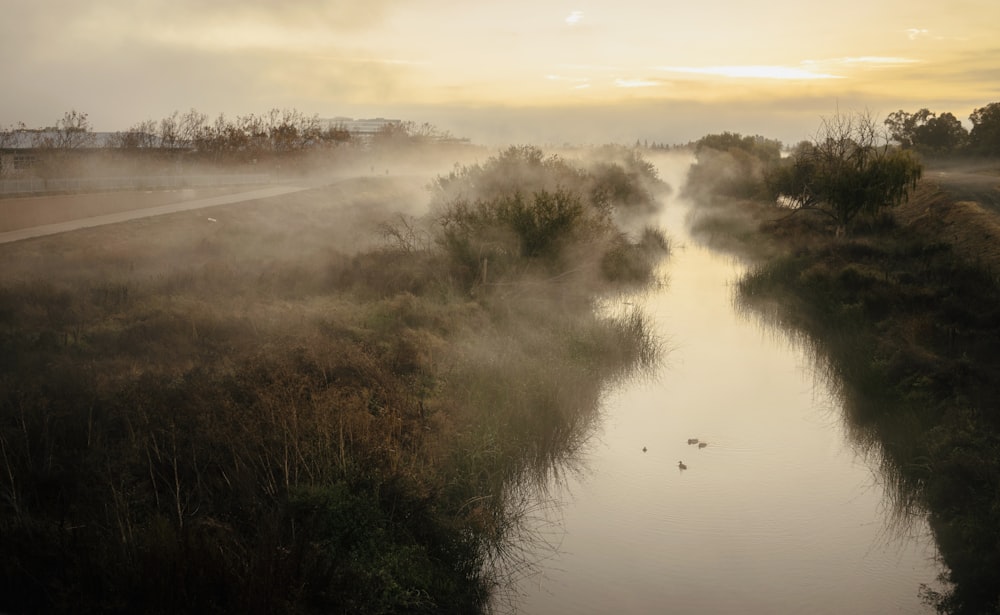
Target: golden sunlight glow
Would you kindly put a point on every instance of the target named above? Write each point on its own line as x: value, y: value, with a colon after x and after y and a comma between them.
x: 635, y: 83
x: 871, y: 61
x: 575, y: 80
x: 750, y: 72
x: 161, y: 55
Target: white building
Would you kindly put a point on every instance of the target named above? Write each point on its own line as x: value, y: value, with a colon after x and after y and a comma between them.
x: 361, y: 128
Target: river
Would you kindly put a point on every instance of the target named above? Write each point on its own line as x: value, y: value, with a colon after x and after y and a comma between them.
x: 779, y: 513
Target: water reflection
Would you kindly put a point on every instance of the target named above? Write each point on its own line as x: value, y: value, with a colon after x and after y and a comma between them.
x: 778, y: 514
x: 905, y: 517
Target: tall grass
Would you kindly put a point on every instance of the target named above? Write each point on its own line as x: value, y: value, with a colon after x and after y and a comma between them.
x: 197, y: 427
x: 905, y: 331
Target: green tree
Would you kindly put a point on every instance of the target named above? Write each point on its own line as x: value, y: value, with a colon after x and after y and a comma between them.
x: 926, y: 131
x: 902, y: 126
x: 847, y: 170
x: 985, y: 135
x: 731, y: 164
x: 756, y: 146
x: 943, y: 134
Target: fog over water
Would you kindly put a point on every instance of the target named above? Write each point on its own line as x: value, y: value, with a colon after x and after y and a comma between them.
x: 305, y: 306
x: 779, y: 513
x: 776, y: 513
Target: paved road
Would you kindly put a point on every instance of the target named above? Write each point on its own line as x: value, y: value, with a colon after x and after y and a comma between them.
x: 134, y: 214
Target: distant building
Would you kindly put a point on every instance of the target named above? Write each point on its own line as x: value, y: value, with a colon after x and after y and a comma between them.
x: 20, y: 149
x: 362, y: 129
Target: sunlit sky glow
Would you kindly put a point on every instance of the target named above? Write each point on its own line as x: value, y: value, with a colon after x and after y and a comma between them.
x: 636, y: 68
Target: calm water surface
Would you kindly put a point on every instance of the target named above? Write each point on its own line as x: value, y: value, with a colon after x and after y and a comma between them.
x: 778, y: 514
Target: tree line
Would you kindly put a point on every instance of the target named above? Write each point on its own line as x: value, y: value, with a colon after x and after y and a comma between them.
x: 276, y: 132
x: 61, y: 148
x: 892, y: 286
x: 943, y: 134
x: 852, y: 166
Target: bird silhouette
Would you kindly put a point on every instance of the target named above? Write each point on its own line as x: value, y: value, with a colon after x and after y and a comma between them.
x: 702, y: 444
x: 692, y: 440
x: 644, y: 449
x: 680, y: 464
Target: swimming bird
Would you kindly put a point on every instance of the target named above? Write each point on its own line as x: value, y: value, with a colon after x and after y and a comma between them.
x: 702, y: 444
x: 692, y: 440
x: 680, y: 464
x: 644, y: 449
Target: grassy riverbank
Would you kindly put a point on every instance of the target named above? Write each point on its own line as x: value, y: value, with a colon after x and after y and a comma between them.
x: 903, y: 317
x: 296, y: 407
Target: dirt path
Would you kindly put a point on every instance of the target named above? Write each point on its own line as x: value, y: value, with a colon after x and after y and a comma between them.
x: 981, y: 188
x: 24, y: 212
x: 959, y: 208
x: 37, y: 216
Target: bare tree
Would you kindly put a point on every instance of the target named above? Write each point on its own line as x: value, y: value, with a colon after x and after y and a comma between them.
x: 170, y: 131
x: 10, y: 135
x: 848, y: 169
x: 73, y: 131
x: 140, y: 136
x: 191, y: 126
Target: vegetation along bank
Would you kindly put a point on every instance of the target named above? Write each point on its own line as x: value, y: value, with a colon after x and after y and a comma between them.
x: 243, y: 415
x: 883, y: 261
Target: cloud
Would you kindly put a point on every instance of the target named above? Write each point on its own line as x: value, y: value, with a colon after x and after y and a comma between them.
x: 676, y: 121
x: 391, y: 61
x: 751, y: 72
x: 809, y: 70
x: 564, y: 78
x: 123, y: 61
x: 58, y: 27
x: 338, y: 15
x: 874, y: 61
x: 591, y: 67
x: 636, y: 83
x: 973, y: 71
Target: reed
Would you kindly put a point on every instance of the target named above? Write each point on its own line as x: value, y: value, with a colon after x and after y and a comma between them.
x: 201, y: 426
x: 904, y: 329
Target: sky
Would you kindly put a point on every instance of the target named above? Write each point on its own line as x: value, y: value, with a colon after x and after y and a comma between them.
x: 540, y: 71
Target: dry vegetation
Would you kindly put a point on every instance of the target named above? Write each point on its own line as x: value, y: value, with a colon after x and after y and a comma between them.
x: 321, y: 402
x: 970, y: 228
x: 902, y: 316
